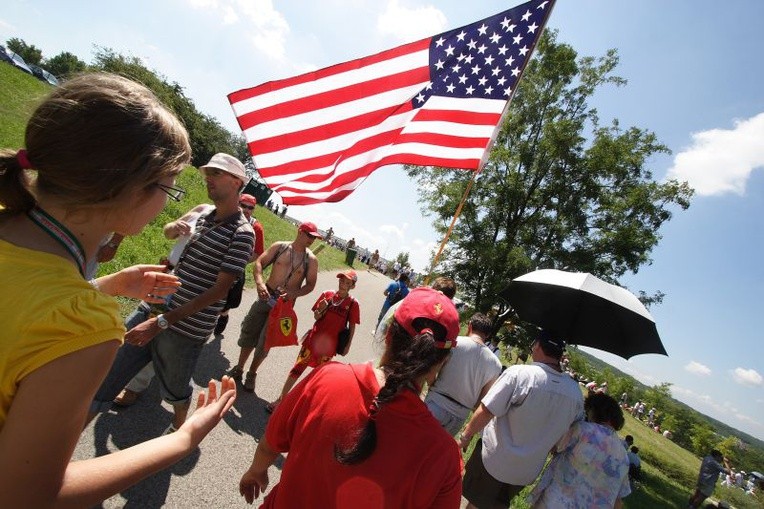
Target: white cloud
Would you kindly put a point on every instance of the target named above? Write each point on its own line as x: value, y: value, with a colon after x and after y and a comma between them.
x: 697, y: 368
x: 410, y: 24
x: 267, y: 27
x: 749, y: 377
x: 720, y: 161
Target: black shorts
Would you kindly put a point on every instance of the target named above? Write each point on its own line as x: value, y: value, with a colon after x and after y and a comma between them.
x: 233, y: 299
x: 480, y: 488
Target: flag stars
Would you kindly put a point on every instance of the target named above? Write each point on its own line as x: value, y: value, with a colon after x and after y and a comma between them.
x: 505, y: 23
x: 420, y: 98
x: 495, y: 71
x: 503, y: 50
x: 456, y: 68
x: 469, y: 90
x: 532, y: 28
x: 483, y: 29
x: 481, y: 49
x: 460, y: 37
x: 472, y: 44
x: 476, y: 69
x: 510, y: 61
x: 461, y: 57
x: 523, y: 51
x: 450, y: 50
x: 508, y: 91
x: 517, y: 39
x: 501, y: 81
x: 468, y: 59
x: 515, y: 71
x: 440, y: 42
x: 450, y: 88
x: 526, y: 16
x: 463, y: 79
x: 542, y: 5
x: 439, y: 64
x: 489, y: 60
x: 489, y: 90
x: 495, y: 38
x: 482, y: 81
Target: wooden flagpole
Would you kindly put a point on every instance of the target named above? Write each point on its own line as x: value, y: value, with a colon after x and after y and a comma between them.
x: 451, y: 227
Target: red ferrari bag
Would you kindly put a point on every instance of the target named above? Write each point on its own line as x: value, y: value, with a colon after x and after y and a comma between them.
x: 282, y: 325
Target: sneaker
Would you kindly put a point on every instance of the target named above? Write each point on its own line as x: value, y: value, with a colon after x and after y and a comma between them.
x: 126, y: 398
x: 235, y: 373
x: 170, y: 430
x: 220, y: 326
x: 249, y: 381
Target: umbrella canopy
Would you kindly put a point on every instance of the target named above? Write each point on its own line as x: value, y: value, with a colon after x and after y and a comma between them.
x: 585, y: 310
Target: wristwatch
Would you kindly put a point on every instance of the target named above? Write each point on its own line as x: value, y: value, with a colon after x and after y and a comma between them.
x: 162, y: 322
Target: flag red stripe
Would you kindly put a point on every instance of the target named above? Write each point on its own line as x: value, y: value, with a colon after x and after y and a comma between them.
x: 351, y: 65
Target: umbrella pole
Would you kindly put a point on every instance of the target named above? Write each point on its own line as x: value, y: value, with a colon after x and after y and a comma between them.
x: 451, y: 227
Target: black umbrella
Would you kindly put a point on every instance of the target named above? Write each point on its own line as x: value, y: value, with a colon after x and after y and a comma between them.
x: 585, y: 310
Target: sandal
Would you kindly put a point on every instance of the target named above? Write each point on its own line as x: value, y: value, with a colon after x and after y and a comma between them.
x: 126, y: 398
x: 235, y: 373
x: 270, y: 407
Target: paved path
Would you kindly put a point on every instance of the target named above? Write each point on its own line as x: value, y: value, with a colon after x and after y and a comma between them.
x: 209, y: 478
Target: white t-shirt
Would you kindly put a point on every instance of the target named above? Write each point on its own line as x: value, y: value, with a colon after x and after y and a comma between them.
x: 533, y: 405
x: 470, y: 367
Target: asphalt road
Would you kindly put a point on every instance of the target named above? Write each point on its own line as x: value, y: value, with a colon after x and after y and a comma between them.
x: 209, y: 478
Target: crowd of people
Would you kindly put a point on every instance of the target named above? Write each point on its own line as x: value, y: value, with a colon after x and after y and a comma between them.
x: 105, y: 154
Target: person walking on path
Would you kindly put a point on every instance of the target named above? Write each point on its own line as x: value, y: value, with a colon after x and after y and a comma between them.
x: 524, y: 414
x: 465, y: 379
x: 360, y: 436
x: 395, y: 292
x: 211, y: 262
x: 333, y: 311
x: 247, y: 204
x: 102, y: 154
x: 710, y: 468
x: 294, y: 273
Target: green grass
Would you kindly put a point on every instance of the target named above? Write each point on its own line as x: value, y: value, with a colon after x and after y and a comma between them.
x: 20, y: 93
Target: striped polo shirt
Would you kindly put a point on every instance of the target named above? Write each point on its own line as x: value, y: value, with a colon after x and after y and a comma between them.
x: 214, y: 247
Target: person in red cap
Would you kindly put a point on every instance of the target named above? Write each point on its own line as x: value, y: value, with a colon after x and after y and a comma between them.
x: 294, y: 274
x: 359, y: 435
x: 333, y: 311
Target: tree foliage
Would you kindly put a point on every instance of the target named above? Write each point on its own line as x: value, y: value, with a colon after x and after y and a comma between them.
x: 206, y: 134
x: 559, y: 190
x: 30, y: 53
x: 65, y: 64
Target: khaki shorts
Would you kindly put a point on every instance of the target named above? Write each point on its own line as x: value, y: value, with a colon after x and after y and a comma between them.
x: 254, y: 326
x: 481, y: 489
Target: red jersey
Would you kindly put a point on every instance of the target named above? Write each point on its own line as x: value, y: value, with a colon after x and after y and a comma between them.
x: 416, y: 463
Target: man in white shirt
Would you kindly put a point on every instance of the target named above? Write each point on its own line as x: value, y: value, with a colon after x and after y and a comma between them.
x: 465, y: 378
x: 523, y: 415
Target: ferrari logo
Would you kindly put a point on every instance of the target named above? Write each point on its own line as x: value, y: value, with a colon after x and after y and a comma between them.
x: 286, y: 326
x: 438, y: 309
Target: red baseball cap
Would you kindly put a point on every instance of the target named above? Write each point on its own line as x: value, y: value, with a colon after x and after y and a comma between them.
x: 248, y: 199
x: 310, y: 229
x: 425, y: 302
x: 349, y: 274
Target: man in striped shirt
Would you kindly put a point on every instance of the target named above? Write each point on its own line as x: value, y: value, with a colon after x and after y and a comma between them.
x: 214, y: 258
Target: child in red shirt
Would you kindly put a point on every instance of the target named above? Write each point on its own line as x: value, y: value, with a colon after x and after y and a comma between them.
x: 332, y: 311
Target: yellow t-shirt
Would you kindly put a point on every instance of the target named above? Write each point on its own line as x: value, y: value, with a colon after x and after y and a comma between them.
x: 47, y: 310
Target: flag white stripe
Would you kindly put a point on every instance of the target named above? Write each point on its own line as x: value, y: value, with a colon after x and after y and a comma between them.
x: 395, y: 65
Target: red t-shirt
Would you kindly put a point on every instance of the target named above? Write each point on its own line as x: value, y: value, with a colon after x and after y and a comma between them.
x: 322, y: 339
x: 416, y: 463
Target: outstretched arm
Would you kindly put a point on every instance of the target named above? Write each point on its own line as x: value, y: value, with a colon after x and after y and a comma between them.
x: 37, y: 441
x: 255, y: 479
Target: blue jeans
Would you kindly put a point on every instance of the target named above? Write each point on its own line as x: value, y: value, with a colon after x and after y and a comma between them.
x: 450, y: 422
x: 174, y: 356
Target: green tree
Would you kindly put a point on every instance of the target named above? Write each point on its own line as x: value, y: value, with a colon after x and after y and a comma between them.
x: 559, y: 190
x: 65, y: 64
x: 730, y: 447
x: 207, y: 135
x: 659, y: 396
x: 403, y: 259
x: 703, y: 439
x: 30, y: 53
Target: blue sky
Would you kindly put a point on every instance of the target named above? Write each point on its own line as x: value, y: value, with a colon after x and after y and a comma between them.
x: 694, y: 78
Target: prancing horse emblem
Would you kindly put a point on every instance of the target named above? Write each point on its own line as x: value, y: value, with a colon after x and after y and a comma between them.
x: 286, y: 326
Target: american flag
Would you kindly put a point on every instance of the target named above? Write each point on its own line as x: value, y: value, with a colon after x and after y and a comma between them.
x: 316, y: 137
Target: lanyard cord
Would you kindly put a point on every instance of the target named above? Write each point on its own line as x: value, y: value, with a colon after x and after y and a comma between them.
x: 60, y: 233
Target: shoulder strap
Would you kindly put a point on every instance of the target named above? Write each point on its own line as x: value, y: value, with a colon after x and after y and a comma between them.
x: 280, y: 251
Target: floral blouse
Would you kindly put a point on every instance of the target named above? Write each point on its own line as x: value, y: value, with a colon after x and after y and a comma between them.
x: 591, y: 470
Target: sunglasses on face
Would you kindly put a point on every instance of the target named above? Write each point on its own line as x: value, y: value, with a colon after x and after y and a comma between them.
x: 248, y: 207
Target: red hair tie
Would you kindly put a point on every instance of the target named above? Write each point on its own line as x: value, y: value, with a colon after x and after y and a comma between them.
x: 22, y: 158
x: 373, y: 409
